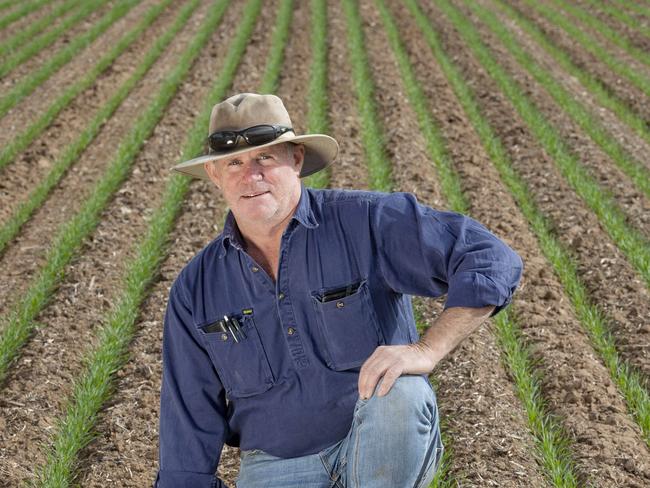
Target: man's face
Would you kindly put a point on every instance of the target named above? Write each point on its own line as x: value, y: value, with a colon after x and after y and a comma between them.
x: 261, y: 185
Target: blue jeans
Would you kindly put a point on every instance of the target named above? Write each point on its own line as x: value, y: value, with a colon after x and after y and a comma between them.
x: 394, y: 442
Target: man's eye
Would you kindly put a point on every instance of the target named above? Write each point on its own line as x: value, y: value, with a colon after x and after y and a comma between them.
x: 264, y: 156
x: 234, y: 162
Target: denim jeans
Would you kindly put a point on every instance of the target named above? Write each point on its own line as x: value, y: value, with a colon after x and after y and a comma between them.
x: 394, y: 442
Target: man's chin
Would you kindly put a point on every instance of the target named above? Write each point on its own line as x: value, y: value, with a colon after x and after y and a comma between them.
x: 255, y: 213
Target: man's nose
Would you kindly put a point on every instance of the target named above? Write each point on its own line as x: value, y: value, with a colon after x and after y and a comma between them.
x: 254, y: 172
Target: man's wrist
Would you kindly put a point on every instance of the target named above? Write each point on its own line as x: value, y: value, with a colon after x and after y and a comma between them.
x: 430, y: 351
x: 449, y: 329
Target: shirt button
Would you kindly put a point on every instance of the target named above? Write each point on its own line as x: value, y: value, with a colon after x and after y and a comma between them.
x: 224, y: 337
x: 280, y: 296
x: 255, y: 269
x: 340, y: 304
x: 291, y: 331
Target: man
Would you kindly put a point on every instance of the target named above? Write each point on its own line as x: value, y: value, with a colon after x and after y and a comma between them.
x: 292, y: 336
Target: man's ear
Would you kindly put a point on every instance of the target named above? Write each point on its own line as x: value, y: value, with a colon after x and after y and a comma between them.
x: 213, y: 173
x: 299, y: 156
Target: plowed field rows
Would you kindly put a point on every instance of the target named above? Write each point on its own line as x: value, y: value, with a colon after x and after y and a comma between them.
x: 531, y: 116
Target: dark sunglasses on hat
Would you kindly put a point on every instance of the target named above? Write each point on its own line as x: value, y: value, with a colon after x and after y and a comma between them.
x: 254, y: 136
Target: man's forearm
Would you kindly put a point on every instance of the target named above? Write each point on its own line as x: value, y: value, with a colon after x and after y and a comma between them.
x: 451, y: 328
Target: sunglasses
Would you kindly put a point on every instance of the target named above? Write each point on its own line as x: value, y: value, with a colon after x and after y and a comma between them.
x: 254, y: 136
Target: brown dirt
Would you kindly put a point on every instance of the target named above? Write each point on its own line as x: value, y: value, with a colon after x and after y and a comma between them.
x: 52, y: 358
x: 628, y: 138
x: 22, y: 260
x: 20, y: 177
x: 482, y: 415
x: 576, y: 385
x: 634, y: 37
x: 604, y: 170
x: 351, y: 170
x: 23, y: 22
x: 502, y: 434
x: 606, y: 273
x: 133, y: 451
x: 631, y: 95
x: 71, y: 71
x: 615, y: 50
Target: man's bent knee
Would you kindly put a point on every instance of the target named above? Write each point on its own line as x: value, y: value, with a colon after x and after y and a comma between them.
x: 410, y: 395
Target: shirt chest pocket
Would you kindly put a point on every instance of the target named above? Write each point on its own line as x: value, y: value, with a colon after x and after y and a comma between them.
x: 348, y: 325
x: 242, y: 365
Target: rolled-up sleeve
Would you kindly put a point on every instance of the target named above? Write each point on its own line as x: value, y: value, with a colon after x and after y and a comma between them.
x: 422, y: 251
x: 192, y: 405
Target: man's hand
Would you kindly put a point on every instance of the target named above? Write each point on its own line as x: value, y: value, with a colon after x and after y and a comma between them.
x: 391, y: 362
x: 448, y: 330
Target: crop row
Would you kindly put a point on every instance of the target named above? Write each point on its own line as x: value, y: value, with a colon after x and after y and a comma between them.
x: 93, y: 388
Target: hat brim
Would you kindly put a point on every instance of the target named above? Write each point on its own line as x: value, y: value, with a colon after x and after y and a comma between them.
x: 320, y: 151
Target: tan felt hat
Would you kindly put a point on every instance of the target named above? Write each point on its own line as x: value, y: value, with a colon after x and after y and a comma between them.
x: 246, y: 110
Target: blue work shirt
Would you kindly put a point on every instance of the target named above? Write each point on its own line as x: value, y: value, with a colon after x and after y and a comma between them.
x: 349, y: 261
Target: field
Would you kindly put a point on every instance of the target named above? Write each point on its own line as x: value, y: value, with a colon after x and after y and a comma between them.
x: 531, y: 116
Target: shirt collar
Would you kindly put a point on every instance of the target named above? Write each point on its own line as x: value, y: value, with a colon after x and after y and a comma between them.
x: 304, y: 214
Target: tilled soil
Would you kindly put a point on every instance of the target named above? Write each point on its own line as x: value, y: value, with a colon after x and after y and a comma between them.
x: 608, y: 276
x: 611, y: 280
x: 604, y: 170
x: 623, y: 89
x: 20, y: 177
x: 18, y: 116
x: 627, y: 137
x: 634, y: 37
x: 576, y: 384
x: 129, y: 426
x: 484, y: 419
x: 351, y: 169
x: 481, y: 414
x: 22, y: 260
x: 18, y: 25
x: 619, y: 53
x: 53, y: 358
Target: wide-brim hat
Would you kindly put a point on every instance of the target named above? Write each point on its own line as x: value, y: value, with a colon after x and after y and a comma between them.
x: 250, y: 109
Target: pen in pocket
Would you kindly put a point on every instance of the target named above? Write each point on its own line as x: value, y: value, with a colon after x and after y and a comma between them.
x: 234, y: 327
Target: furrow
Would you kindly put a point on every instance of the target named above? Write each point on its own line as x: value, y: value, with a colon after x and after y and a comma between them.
x: 413, y: 153
x: 20, y: 208
x: 642, y: 10
x: 633, y: 243
x: 629, y: 130
x: 76, y: 313
x: 26, y: 255
x: 95, y: 386
x: 617, y: 19
x: 41, y: 27
x: 43, y: 78
x: 21, y: 11
x: 68, y: 238
x: 628, y: 69
x: 521, y: 452
x: 601, y: 266
x: 29, y: 105
x: 594, y: 148
x: 601, y: 34
x: 36, y: 45
x: 625, y: 90
x: 351, y: 172
x: 143, y: 466
x: 608, y: 445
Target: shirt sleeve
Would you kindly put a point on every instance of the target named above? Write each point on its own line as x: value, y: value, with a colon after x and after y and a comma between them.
x: 192, y: 405
x: 422, y: 251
